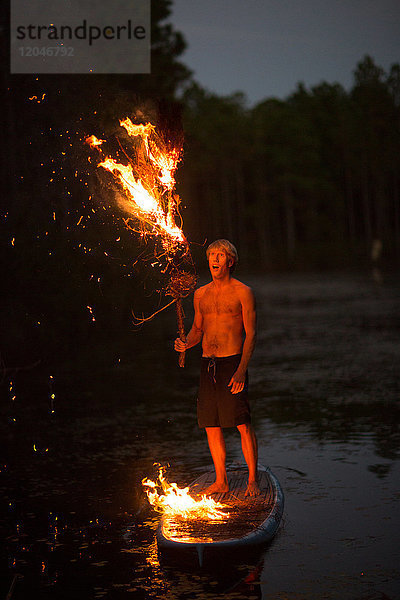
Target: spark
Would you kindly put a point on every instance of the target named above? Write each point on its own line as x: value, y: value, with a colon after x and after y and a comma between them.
x: 93, y: 141
x: 37, y: 449
x: 52, y: 395
x: 37, y: 99
x: 13, y: 397
x: 91, y: 312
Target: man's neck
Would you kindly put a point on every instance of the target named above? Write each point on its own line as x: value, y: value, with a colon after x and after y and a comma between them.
x: 221, y: 282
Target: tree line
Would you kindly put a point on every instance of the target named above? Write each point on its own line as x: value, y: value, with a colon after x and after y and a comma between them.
x: 310, y: 181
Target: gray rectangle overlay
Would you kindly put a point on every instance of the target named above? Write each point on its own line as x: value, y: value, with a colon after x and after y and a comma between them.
x: 80, y: 36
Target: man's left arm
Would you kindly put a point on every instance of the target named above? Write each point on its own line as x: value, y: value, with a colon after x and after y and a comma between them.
x: 249, y: 324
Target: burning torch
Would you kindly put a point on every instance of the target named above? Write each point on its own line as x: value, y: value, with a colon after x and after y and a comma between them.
x: 147, y: 184
x: 181, y: 285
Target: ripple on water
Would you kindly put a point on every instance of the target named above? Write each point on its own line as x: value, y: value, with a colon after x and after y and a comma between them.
x: 324, y: 391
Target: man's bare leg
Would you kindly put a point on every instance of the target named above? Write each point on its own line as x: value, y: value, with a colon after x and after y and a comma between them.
x: 216, y: 444
x: 250, y: 453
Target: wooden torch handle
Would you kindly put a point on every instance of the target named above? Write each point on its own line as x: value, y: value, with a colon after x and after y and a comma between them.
x: 181, y: 330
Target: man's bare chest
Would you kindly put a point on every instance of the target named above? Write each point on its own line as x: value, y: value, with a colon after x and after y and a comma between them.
x: 212, y: 304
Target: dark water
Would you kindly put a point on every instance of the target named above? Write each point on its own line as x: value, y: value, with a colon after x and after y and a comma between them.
x: 325, y: 396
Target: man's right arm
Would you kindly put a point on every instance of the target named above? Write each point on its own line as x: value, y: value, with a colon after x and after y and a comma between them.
x: 196, y: 333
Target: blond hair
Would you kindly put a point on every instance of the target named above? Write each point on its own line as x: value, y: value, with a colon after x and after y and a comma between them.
x: 229, y: 248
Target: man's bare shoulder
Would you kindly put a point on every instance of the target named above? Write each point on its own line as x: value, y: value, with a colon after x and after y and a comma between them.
x: 201, y: 291
x: 245, y: 294
x: 241, y: 287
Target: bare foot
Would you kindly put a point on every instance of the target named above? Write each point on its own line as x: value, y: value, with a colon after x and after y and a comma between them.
x: 252, y: 489
x: 216, y: 488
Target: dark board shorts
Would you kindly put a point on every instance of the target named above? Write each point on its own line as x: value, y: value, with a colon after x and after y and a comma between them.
x: 216, y: 405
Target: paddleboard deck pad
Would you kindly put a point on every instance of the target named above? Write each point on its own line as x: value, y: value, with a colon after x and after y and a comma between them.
x: 250, y: 521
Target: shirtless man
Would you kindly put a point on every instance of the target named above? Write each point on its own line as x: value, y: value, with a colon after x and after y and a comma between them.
x: 225, y: 322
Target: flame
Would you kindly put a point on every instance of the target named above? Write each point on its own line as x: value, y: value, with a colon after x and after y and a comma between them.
x: 137, y: 130
x: 93, y: 141
x: 175, y: 501
x: 165, y: 162
x: 148, y: 182
x: 140, y: 202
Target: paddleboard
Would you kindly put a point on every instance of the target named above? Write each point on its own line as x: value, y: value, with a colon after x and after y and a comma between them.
x: 251, y: 521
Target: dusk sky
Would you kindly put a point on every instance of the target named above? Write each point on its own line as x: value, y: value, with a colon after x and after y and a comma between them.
x: 265, y: 47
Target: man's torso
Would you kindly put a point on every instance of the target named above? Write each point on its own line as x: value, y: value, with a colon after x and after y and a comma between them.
x: 222, y: 315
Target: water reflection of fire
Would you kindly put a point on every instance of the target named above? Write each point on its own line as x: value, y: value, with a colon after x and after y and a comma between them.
x: 175, y: 501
